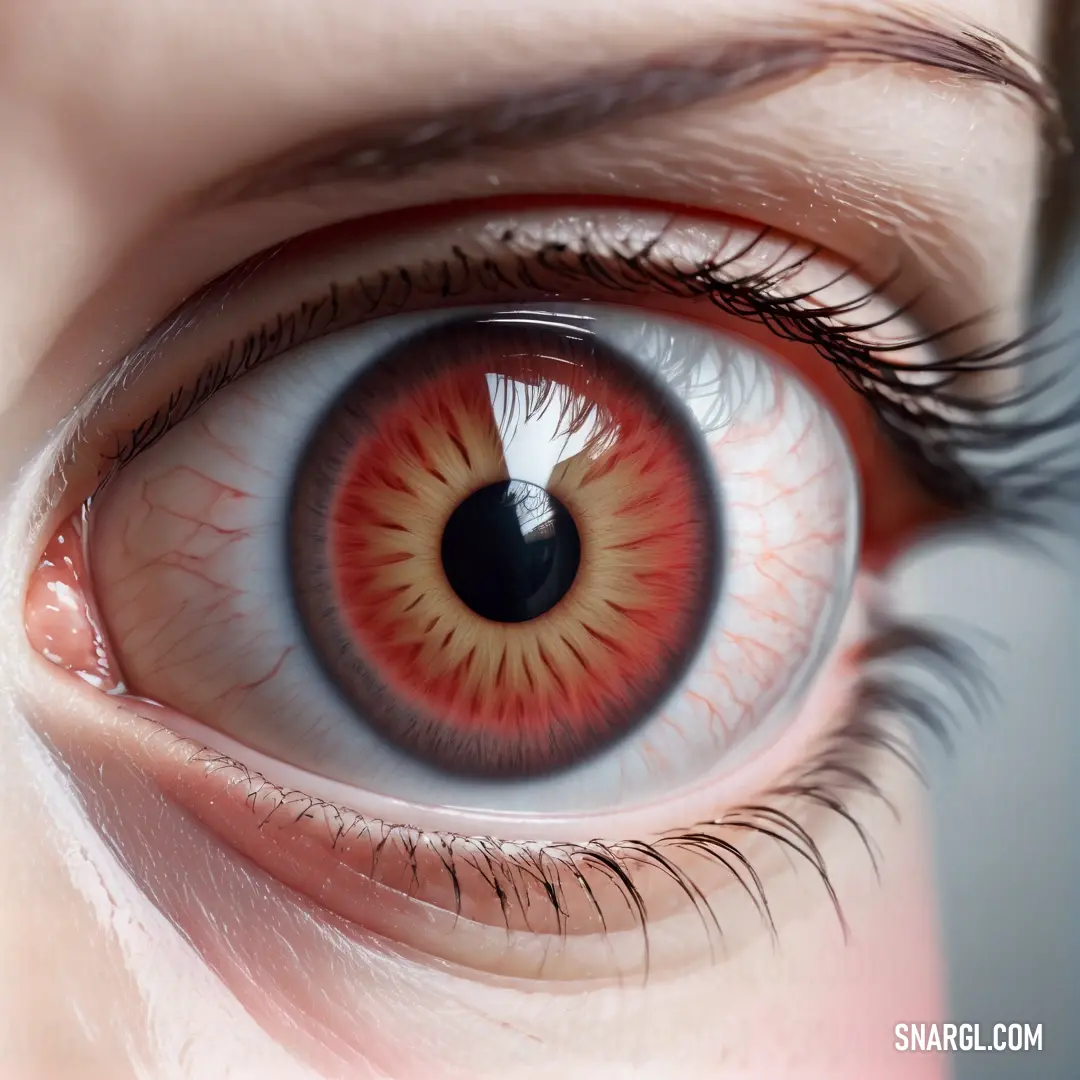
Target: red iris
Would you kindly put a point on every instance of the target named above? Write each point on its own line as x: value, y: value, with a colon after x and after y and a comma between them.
x: 618, y: 562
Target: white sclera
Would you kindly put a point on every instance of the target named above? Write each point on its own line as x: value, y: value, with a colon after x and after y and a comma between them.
x: 189, y: 560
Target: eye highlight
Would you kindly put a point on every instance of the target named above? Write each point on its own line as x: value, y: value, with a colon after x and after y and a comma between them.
x: 655, y: 371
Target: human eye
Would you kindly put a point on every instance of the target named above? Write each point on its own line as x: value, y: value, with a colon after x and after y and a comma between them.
x: 452, y: 602
x: 484, y: 580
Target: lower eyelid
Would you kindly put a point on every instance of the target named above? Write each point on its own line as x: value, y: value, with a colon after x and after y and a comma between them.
x: 327, y: 852
x: 302, y: 976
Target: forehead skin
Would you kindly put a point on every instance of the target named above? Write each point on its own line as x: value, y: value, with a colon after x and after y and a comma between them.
x: 117, y: 117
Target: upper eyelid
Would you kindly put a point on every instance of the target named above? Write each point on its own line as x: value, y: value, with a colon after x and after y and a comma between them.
x: 68, y: 436
x: 219, y: 293
x: 82, y: 342
x: 366, y: 297
x: 894, y: 227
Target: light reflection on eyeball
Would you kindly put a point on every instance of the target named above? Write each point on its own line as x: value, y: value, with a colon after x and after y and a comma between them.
x: 278, y: 565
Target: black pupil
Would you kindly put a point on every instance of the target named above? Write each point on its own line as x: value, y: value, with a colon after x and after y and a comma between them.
x: 511, y: 551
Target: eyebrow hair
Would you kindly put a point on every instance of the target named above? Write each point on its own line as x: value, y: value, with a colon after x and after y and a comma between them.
x: 392, y: 148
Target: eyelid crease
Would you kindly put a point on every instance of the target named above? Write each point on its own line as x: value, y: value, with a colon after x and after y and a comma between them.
x: 391, y: 149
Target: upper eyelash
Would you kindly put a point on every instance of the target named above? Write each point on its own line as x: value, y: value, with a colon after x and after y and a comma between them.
x: 953, y: 457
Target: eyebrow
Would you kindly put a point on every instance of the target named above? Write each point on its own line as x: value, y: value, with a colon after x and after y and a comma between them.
x: 392, y: 148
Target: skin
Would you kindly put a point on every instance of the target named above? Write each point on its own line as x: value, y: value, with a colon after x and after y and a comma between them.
x: 133, y: 942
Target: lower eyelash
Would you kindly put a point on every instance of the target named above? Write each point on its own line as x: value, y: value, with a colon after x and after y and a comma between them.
x: 908, y: 672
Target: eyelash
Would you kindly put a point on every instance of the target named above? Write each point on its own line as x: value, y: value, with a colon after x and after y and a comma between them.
x: 935, y: 446
x: 841, y: 772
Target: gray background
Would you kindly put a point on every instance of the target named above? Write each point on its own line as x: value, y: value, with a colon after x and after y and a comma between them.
x: 1006, y: 809
x: 1006, y: 805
